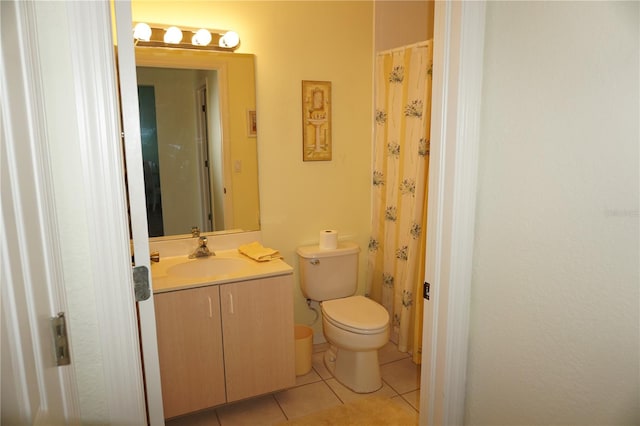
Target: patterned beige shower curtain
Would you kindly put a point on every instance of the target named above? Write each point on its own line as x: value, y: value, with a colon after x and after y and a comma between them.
x: 400, y: 175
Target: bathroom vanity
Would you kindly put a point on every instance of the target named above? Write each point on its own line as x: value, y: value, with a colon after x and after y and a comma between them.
x: 224, y: 337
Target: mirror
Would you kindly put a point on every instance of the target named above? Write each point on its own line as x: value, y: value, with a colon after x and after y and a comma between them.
x: 199, y: 146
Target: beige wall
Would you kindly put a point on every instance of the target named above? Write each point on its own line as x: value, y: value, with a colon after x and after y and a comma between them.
x: 295, y: 41
x: 242, y: 97
x: 554, y: 326
x: 399, y: 23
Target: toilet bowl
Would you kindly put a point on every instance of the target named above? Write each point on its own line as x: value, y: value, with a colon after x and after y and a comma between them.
x: 356, y: 327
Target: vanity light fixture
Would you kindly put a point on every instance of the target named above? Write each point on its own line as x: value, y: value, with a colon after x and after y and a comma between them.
x: 158, y: 35
x: 230, y: 39
x: 173, y: 35
x: 142, y: 32
x: 202, y: 37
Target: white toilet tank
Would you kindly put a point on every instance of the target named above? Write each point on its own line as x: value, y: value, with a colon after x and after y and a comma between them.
x: 328, y: 274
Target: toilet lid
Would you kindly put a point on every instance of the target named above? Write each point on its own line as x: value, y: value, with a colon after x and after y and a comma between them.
x: 356, y: 313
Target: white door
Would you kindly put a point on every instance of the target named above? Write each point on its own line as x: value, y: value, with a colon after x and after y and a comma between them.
x: 204, y: 162
x: 35, y: 390
x: 138, y: 212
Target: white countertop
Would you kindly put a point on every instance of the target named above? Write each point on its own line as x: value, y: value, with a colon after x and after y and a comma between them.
x: 164, y: 282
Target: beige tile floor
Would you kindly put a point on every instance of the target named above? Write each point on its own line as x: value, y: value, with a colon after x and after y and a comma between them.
x: 315, y: 391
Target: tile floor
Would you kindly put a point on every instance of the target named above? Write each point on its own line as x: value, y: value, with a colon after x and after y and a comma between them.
x: 315, y: 391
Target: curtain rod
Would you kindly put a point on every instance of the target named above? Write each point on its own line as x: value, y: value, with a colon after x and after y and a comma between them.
x: 408, y: 46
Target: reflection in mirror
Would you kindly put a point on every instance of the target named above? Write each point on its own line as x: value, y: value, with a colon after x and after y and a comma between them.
x: 198, y: 140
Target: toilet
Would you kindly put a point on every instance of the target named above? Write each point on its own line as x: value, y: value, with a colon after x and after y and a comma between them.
x: 355, y: 326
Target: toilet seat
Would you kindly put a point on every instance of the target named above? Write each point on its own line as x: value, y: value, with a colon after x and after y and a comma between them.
x: 357, y: 314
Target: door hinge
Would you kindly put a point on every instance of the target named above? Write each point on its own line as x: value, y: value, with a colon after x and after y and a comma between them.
x: 141, y: 286
x: 60, y: 341
x: 426, y: 290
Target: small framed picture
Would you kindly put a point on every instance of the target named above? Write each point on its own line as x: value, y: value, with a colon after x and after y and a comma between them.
x: 252, y: 124
x: 316, y: 120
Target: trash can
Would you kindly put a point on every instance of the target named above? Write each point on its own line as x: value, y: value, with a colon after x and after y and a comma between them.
x: 304, y: 348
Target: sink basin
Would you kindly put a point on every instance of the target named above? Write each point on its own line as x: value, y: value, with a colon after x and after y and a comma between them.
x: 207, y: 267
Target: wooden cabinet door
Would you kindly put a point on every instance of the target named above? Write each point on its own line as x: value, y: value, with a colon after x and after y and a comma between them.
x: 257, y: 322
x: 190, y: 349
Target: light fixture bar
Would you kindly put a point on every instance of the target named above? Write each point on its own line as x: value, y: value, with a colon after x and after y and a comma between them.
x: 161, y: 35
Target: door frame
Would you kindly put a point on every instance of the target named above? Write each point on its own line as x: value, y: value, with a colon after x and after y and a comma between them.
x: 98, y: 114
x: 458, y: 64
x: 455, y: 125
x: 146, y: 325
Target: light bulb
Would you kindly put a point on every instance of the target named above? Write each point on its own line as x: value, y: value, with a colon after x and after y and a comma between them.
x: 202, y: 37
x: 142, y: 32
x: 230, y: 39
x: 173, y: 35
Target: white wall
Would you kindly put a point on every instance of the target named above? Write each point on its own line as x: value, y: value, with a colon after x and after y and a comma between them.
x: 554, y: 333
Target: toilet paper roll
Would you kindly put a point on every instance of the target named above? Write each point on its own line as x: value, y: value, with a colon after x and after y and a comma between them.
x: 328, y: 239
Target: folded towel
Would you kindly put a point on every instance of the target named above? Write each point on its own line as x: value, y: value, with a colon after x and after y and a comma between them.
x: 257, y: 252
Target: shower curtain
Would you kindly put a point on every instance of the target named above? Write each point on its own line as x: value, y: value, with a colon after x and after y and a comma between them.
x: 399, y: 196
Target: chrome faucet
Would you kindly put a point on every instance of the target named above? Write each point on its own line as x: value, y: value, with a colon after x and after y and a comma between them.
x: 195, y: 231
x: 202, y: 250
